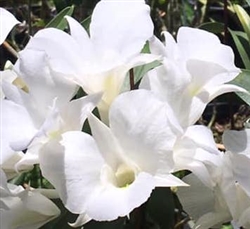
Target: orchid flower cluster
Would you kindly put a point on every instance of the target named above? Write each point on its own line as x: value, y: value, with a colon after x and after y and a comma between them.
x: 139, y: 138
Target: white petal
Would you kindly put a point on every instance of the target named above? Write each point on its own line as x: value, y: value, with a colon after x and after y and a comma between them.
x: 33, y: 67
x: 200, y: 203
x: 30, y: 157
x: 33, y: 207
x: 212, y: 219
x: 17, y: 127
x: 222, y: 89
x: 237, y: 141
x: 7, y: 21
x: 156, y: 46
x: 146, y: 129
x: 168, y: 180
x: 6, y: 151
x: 170, y: 81
x: 112, y: 202
x: 125, y: 33
x: 82, y: 38
x: 241, y: 169
x: 27, y: 103
x: 107, y: 143
x: 244, y: 219
x: 202, y: 45
x: 9, y: 165
x: 196, y: 151
x: 7, y: 75
x: 172, y: 50
x: 195, y: 197
x: 52, y: 42
x: 206, y: 74
x: 73, y: 166
x: 75, y: 113
x: 194, y: 107
x: 81, y: 219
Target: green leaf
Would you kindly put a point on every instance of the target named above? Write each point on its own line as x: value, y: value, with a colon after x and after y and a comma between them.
x: 244, y: 19
x: 59, y: 21
x: 239, y: 38
x: 161, y: 207
x: 248, y: 2
x: 243, y: 80
x: 86, y: 22
x: 213, y: 27
x: 139, y: 72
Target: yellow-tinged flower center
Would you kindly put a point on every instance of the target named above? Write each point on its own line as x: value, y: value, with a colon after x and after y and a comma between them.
x: 125, y: 176
x: 53, y: 134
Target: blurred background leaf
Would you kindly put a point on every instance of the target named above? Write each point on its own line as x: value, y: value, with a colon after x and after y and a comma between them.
x: 243, y: 80
x: 59, y: 21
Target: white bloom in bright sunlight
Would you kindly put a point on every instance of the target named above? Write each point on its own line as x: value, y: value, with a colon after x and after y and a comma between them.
x: 195, y: 70
x: 110, y: 173
x: 24, y: 209
x: 7, y: 22
x: 100, y: 60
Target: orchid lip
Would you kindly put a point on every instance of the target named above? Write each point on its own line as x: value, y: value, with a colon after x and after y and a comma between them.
x: 125, y: 176
x: 121, y: 177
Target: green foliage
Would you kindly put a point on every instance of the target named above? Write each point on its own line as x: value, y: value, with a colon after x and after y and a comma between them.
x: 242, y: 44
x: 244, y: 19
x: 139, y: 72
x: 62, y: 4
x: 59, y: 21
x: 161, y: 208
x: 85, y: 23
x: 243, y: 80
x: 213, y: 27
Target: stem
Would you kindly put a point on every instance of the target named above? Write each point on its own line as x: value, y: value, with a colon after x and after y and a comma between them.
x: 10, y: 49
x: 211, y: 122
x: 132, y: 79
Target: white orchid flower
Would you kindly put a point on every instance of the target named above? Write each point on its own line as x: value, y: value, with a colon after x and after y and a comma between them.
x: 69, y: 118
x: 23, y: 113
x: 24, y: 209
x: 229, y: 198
x: 195, y: 69
x: 7, y: 22
x: 100, y: 61
x: 36, y: 128
x: 110, y: 173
